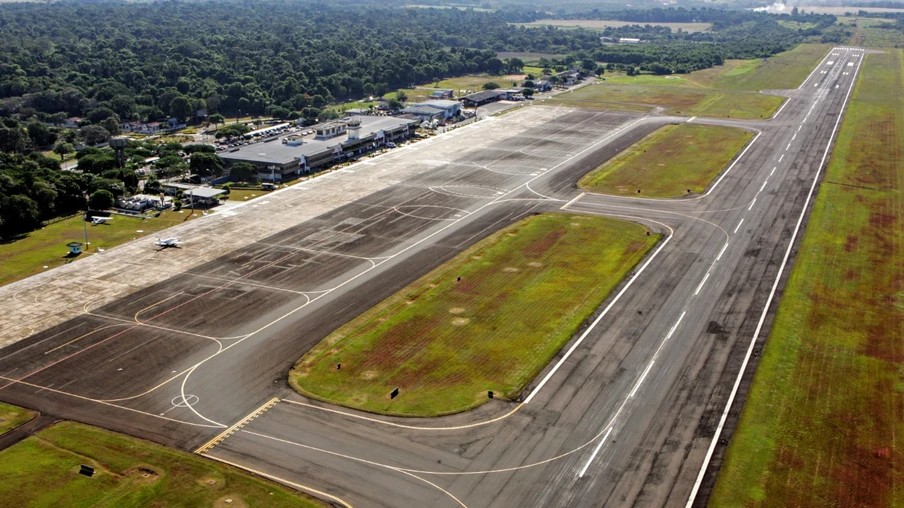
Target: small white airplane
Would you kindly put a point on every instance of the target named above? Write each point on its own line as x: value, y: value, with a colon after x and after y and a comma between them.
x: 168, y: 242
x: 100, y: 220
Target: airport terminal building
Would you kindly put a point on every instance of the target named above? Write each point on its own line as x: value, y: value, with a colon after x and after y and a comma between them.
x: 282, y: 157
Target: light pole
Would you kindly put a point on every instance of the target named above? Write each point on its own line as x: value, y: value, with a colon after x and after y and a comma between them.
x: 85, y: 220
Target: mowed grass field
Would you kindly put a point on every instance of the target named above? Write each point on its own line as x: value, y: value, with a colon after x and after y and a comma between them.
x: 444, y: 343
x: 823, y: 423
x: 47, y: 247
x: 596, y: 24
x: 669, y: 162
x: 43, y: 470
x: 727, y: 91
x: 13, y: 416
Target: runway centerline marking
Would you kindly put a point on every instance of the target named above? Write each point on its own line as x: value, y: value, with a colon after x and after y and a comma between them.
x: 782, y: 157
x: 738, y: 226
x: 640, y: 381
x: 722, y: 251
x: 595, y: 451
x: 751, y: 204
x: 764, y: 185
x: 702, y: 282
x: 773, y: 170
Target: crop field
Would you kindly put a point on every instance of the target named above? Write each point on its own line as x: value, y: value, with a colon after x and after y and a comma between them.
x: 445, y: 342
x: 13, y: 416
x: 677, y: 100
x: 599, y: 24
x: 823, y: 421
x: 43, y: 470
x: 46, y: 247
x: 673, y: 161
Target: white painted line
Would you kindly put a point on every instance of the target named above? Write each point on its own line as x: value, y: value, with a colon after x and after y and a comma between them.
x: 799, y: 127
x: 793, y: 138
x: 595, y: 451
x: 596, y: 321
x: 815, y: 84
x: 751, y: 204
x: 783, y: 107
x: 764, y: 185
x: 722, y: 251
x: 738, y: 226
x: 773, y: 171
x: 691, y: 119
x: 702, y: 282
x: 782, y: 157
x: 640, y: 381
x: 579, y: 196
x: 789, y: 146
x: 759, y: 326
x: 724, y: 173
x: 674, y: 327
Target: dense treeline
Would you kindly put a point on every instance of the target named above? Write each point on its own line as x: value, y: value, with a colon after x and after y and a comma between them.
x: 149, y: 61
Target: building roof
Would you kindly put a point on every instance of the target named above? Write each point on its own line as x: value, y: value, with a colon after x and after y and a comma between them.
x: 278, y: 153
x: 481, y: 96
x: 205, y: 192
x: 440, y: 103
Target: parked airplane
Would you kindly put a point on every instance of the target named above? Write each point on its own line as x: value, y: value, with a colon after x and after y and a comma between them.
x: 100, y: 220
x: 168, y: 242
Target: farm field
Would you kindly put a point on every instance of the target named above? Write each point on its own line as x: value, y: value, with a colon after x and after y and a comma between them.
x: 824, y: 417
x: 13, y: 416
x: 47, y: 246
x: 597, y: 24
x: 669, y: 162
x: 43, y: 470
x: 444, y: 343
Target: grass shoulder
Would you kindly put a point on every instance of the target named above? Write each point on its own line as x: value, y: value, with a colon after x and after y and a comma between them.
x: 46, y: 248
x: 674, y: 160
x: 42, y: 470
x: 821, y: 422
x: 445, y: 342
x: 14, y: 416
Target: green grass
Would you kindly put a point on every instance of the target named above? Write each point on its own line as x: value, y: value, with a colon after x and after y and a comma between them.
x: 677, y: 100
x: 43, y: 470
x: 47, y: 246
x: 245, y: 194
x: 822, y: 424
x: 669, y: 162
x: 13, y: 416
x: 868, y: 33
x: 727, y: 91
x: 523, y: 293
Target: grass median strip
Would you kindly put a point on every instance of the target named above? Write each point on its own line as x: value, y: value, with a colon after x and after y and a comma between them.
x: 13, y: 416
x: 445, y: 342
x: 822, y: 423
x: 669, y: 162
x: 43, y: 470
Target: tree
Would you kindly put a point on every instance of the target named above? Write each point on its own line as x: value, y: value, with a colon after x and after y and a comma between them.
x: 401, y: 96
x: 18, y: 214
x: 181, y: 108
x: 243, y: 172
x: 97, y: 163
x: 490, y: 85
x: 216, y: 119
x: 13, y: 139
x: 63, y: 148
x: 40, y: 135
x: 206, y: 164
x: 394, y: 104
x: 197, y: 147
x: 101, y: 200
x: 94, y: 134
x: 528, y: 92
x: 112, y: 125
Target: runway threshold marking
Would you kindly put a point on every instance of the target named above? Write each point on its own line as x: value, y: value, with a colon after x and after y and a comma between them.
x: 206, y: 447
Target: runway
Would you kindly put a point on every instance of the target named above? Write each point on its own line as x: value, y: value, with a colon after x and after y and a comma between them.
x: 624, y: 415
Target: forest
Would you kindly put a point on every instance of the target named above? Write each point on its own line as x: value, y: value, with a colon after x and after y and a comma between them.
x: 99, y: 64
